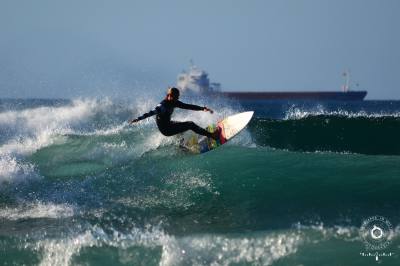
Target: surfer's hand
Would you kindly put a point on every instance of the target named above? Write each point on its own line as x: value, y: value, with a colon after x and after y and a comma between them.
x: 133, y: 121
x: 206, y: 109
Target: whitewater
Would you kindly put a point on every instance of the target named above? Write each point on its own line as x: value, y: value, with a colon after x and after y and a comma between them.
x: 80, y: 186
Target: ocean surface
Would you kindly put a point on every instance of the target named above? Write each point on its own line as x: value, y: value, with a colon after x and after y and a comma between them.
x: 80, y: 186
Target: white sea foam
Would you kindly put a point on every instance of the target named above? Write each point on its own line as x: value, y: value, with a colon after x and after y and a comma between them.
x: 260, y: 249
x: 263, y: 249
x: 40, y: 123
x: 346, y: 233
x: 178, y: 191
x: 37, y: 210
x: 109, y: 131
x: 39, y: 127
x: 35, y: 120
x: 61, y: 251
x: 296, y: 113
x: 12, y: 170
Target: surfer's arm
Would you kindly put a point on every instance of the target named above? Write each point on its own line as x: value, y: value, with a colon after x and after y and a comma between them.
x: 206, y: 109
x: 192, y: 107
x: 157, y: 110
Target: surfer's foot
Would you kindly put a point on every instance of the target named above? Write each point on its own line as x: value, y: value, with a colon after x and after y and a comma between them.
x: 215, y: 134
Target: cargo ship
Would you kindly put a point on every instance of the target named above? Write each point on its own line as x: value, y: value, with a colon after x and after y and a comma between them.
x: 196, y: 81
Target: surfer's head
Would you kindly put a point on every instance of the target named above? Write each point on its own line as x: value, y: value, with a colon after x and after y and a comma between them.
x: 172, y: 94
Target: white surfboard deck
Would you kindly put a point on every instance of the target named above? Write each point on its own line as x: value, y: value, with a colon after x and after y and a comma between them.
x: 229, y: 127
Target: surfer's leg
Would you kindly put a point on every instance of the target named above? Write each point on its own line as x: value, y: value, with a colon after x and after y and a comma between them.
x: 174, y: 128
x: 199, y: 130
x: 179, y: 127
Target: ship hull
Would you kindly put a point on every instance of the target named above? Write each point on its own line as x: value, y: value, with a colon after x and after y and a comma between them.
x: 301, y: 95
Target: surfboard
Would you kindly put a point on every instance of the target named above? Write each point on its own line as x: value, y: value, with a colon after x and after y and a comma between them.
x: 229, y: 127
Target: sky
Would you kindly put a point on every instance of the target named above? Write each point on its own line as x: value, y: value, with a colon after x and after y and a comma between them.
x: 68, y: 49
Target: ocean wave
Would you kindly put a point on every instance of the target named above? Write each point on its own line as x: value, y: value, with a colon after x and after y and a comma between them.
x: 28, y: 130
x: 32, y: 129
x: 117, y: 193
x: 313, y: 133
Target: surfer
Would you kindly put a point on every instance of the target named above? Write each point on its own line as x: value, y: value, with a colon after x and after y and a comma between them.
x: 164, y: 110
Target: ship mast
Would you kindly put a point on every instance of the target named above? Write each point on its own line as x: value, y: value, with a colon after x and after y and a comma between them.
x: 346, y: 86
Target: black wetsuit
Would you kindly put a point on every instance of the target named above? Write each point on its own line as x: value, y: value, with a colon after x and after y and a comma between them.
x: 167, y: 127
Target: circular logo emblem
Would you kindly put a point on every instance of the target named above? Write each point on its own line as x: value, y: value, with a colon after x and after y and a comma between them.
x: 376, y: 231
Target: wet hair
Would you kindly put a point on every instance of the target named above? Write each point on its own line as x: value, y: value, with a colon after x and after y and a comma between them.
x: 173, y: 91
